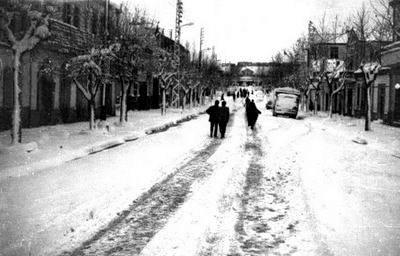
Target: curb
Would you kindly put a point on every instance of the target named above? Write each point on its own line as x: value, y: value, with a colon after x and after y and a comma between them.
x: 163, y: 128
x: 31, y: 169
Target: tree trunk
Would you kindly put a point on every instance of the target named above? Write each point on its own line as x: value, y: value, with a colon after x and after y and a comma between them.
x: 92, y: 114
x: 315, y: 103
x: 368, y: 109
x: 191, y: 99
x: 164, y: 107
x: 201, y: 100
x: 171, y: 96
x: 330, y: 105
x: 16, y: 116
x: 123, y: 104
x: 184, y: 101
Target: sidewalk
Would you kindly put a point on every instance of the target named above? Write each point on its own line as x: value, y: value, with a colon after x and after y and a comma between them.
x: 382, y: 137
x: 65, y: 142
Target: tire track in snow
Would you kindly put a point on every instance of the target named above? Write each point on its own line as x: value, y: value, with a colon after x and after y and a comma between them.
x: 266, y: 224
x: 130, y: 232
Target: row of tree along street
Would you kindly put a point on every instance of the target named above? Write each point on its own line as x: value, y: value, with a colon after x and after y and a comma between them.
x: 337, y: 64
x: 131, y: 44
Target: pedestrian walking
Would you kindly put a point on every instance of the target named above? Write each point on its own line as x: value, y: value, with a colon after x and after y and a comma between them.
x: 223, y: 119
x: 252, y: 114
x: 213, y: 112
x: 246, y: 106
x: 222, y: 97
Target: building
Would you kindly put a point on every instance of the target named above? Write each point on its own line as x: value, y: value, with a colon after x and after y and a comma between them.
x: 350, y: 101
x: 52, y: 98
x: 386, y: 93
x: 317, y: 56
x: 250, y: 73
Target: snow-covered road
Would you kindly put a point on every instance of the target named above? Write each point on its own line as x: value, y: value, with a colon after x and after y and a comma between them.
x: 58, y: 208
x: 291, y: 187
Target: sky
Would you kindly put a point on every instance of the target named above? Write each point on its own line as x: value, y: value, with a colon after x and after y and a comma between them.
x: 245, y: 30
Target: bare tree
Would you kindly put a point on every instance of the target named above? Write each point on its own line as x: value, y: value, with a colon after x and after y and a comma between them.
x: 332, y: 77
x: 37, y: 31
x: 370, y: 72
x: 362, y: 23
x: 87, y: 73
x: 383, y: 21
x: 137, y: 42
x: 166, y: 73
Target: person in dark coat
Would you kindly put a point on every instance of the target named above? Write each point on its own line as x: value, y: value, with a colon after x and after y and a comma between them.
x: 252, y: 114
x: 213, y: 112
x: 223, y: 119
x: 246, y: 105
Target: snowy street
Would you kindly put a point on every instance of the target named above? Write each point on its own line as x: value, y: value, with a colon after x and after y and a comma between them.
x: 290, y: 187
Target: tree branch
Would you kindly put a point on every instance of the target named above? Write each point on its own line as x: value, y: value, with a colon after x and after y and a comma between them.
x: 10, y: 34
x: 30, y: 31
x: 82, y: 89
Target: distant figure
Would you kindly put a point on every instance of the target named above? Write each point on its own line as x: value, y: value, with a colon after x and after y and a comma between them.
x: 222, y: 97
x: 238, y: 93
x: 234, y: 96
x: 213, y: 112
x: 223, y: 119
x: 252, y: 114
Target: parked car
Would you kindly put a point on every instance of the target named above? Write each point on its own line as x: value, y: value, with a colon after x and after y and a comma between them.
x: 286, y: 102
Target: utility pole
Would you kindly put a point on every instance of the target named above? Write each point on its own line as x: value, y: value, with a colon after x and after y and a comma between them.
x: 201, y: 45
x: 178, y: 21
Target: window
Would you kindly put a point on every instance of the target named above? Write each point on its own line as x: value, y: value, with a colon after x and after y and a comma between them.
x: 77, y: 17
x: 67, y: 13
x: 335, y: 52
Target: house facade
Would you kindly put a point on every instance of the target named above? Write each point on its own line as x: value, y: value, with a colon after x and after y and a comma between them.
x: 388, y: 84
x: 317, y: 56
x: 386, y: 92
x: 351, y: 101
x: 50, y: 98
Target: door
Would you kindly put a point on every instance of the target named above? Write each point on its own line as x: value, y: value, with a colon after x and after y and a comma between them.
x: 46, y: 99
x: 381, y: 101
x: 396, y: 112
x: 349, y: 107
x: 155, y: 99
x: 143, y: 101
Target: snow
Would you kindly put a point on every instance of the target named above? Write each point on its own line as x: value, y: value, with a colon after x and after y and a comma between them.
x: 187, y: 229
x: 291, y: 187
x: 76, y: 199
x: 352, y: 189
x: 60, y: 143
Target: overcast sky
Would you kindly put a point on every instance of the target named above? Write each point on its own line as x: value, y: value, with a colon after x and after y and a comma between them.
x: 245, y: 30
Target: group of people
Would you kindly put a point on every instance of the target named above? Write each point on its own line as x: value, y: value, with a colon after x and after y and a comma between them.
x: 219, y: 118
